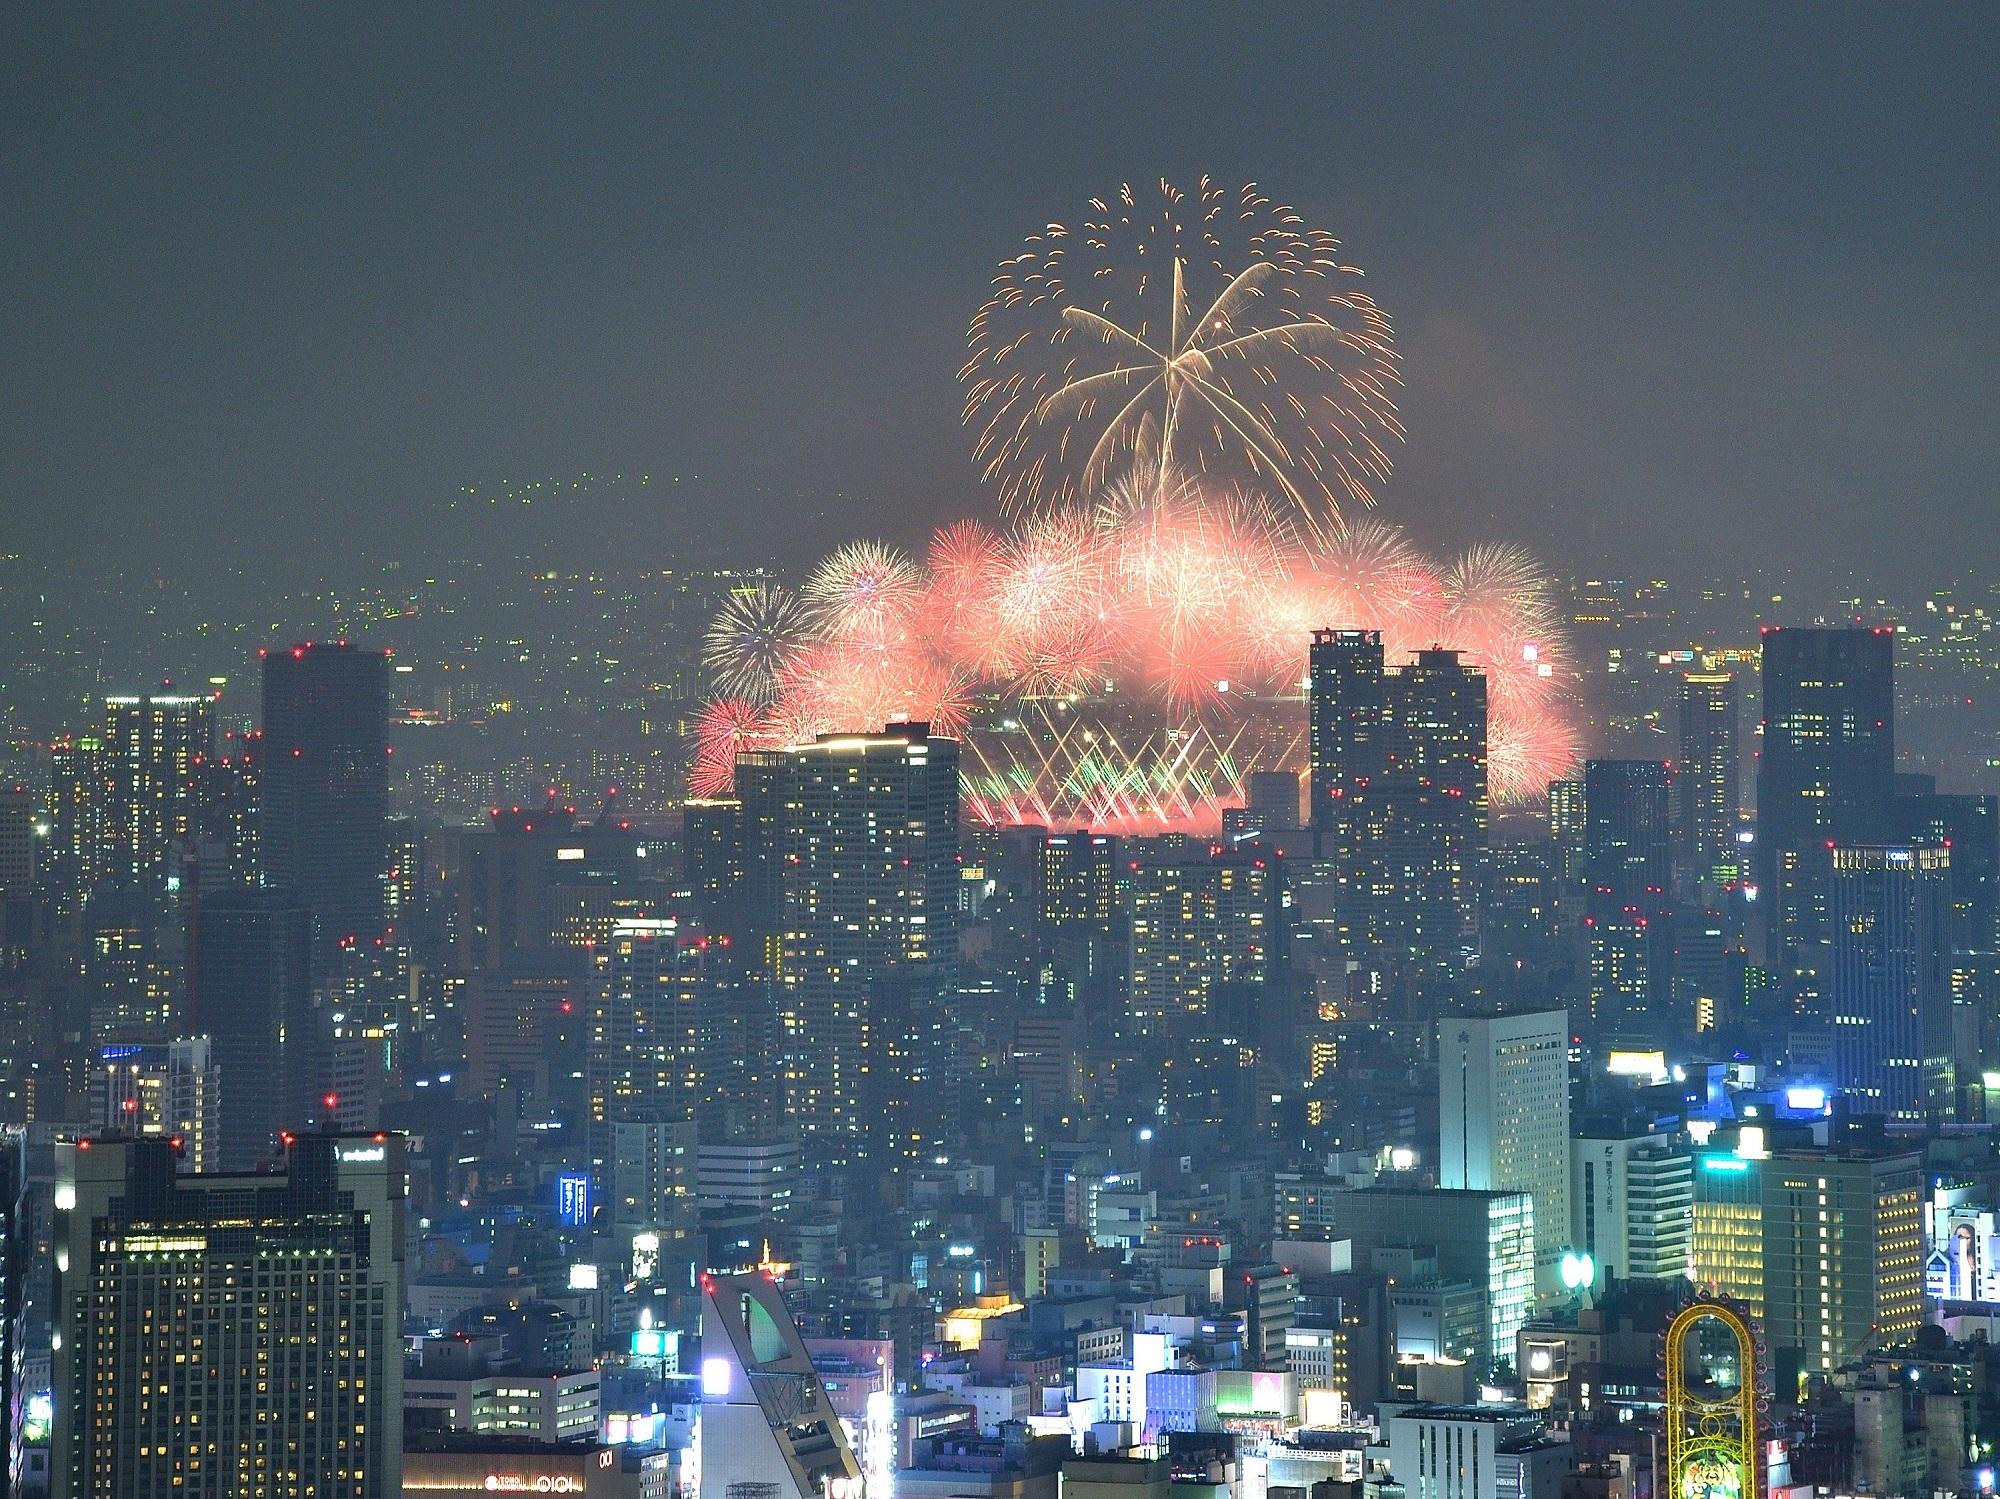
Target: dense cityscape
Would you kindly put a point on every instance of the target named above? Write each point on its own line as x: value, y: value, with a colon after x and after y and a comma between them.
x: 1179, y: 972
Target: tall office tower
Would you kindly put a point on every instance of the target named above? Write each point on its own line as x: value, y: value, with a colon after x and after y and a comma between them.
x: 1627, y: 862
x: 1824, y: 1245
x: 1078, y: 891
x: 76, y: 807
x: 173, y: 1092
x: 132, y: 961
x: 863, y: 851
x: 1632, y: 1203
x: 230, y: 810
x: 1569, y: 828
x: 325, y: 786
x: 18, y: 814
x: 229, y: 1334
x: 642, y: 1069
x: 767, y: 1430
x: 1272, y: 799
x: 1435, y: 725
x: 252, y: 997
x: 1888, y: 986
x: 18, y: 817
x: 1705, y: 778
x: 1503, y: 1114
x: 1345, y: 694
x: 1195, y: 926
x: 155, y: 750
x: 712, y: 850
x: 1826, y: 769
x: 1970, y: 827
x: 1399, y: 798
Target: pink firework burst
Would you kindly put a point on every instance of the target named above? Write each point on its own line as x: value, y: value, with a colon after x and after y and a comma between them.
x: 726, y: 727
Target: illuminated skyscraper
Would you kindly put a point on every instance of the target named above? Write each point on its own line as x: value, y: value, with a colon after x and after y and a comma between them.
x: 859, y: 836
x: 1503, y: 1114
x: 1196, y: 924
x: 1888, y: 987
x: 1345, y: 692
x: 1632, y: 1204
x: 232, y: 1335
x: 1568, y: 828
x: 1436, y: 845
x: 1825, y: 769
x: 1824, y: 1245
x: 154, y: 750
x: 1079, y: 884
x: 1628, y: 859
x: 1399, y: 797
x: 172, y: 1091
x: 642, y: 1069
x: 1705, y: 777
x: 325, y: 784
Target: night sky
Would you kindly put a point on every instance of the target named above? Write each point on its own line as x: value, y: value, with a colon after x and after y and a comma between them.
x: 1678, y: 288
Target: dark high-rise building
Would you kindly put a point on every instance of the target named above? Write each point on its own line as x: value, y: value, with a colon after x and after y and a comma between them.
x: 251, y: 994
x: 1435, y: 725
x: 232, y: 1335
x: 1826, y: 769
x: 325, y: 786
x: 231, y: 815
x: 1345, y: 691
x: 1399, y: 797
x: 1705, y: 778
x: 1970, y: 827
x: 857, y: 837
x: 1888, y: 987
x: 1628, y: 858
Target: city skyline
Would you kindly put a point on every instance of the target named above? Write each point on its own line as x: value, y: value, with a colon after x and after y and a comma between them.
x: 952, y: 752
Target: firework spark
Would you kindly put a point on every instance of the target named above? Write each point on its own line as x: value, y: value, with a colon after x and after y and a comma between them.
x: 1215, y: 333
x: 757, y: 631
x: 726, y: 728
x: 864, y: 590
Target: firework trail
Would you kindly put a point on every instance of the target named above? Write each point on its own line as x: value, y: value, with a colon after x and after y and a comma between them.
x: 1214, y: 333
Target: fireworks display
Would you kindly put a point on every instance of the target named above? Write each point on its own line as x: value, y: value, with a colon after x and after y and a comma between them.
x: 1213, y: 333
x: 1126, y: 666
x: 1182, y: 401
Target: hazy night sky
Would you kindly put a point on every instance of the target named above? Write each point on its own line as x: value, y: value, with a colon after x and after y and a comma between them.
x: 1677, y: 288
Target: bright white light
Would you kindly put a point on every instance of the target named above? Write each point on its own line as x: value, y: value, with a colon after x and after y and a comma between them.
x: 715, y: 1377
x: 65, y: 1196
x: 1578, y: 1271
x: 1402, y: 1158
